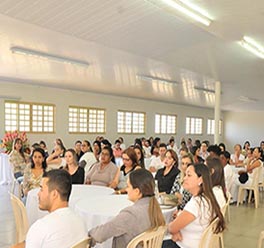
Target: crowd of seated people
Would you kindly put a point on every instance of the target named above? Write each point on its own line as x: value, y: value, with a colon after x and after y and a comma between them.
x: 195, y: 173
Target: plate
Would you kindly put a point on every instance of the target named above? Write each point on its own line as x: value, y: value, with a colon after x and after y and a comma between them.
x: 165, y: 206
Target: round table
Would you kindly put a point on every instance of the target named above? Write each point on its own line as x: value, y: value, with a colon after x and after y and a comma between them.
x: 79, y: 191
x: 103, y: 209
x: 6, y: 176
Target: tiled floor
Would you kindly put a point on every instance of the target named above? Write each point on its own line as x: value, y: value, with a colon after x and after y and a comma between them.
x: 243, y: 230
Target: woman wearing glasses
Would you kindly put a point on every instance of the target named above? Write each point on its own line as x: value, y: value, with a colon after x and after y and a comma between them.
x: 103, y: 172
x: 130, y: 163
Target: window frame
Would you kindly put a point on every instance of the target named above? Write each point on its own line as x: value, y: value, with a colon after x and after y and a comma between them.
x: 160, y: 124
x: 31, y: 119
x: 220, y: 127
x: 87, y: 118
x: 190, y: 128
x: 131, y: 112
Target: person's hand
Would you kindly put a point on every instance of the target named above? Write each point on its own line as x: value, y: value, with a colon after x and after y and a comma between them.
x: 176, y: 237
x: 112, y: 185
x: 176, y: 213
x: 179, y: 197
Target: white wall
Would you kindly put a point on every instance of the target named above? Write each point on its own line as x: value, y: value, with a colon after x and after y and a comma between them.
x: 63, y: 98
x: 242, y: 126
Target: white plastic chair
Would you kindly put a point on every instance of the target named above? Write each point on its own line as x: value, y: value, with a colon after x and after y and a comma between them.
x: 21, y: 218
x: 83, y: 243
x: 149, y: 239
x: 261, y: 179
x: 210, y: 239
x: 226, y: 210
x: 253, y: 187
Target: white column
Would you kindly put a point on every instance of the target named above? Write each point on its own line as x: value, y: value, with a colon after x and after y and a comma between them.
x: 217, y: 111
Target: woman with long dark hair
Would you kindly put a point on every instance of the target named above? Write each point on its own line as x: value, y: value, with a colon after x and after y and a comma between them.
x: 218, y: 179
x: 188, y: 226
x: 145, y: 214
x: 97, y: 149
x: 76, y: 172
x: 195, y: 151
x: 34, y: 172
x: 56, y: 160
x: 140, y: 156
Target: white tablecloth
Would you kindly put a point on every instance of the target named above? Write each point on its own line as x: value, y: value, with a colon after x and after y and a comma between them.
x: 78, y: 192
x: 103, y: 209
x: 6, y: 176
x: 95, y: 204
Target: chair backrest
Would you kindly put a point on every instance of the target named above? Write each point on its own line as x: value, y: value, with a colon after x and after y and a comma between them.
x: 21, y: 218
x: 209, y: 238
x: 261, y: 173
x: 223, y: 210
x: 149, y: 239
x: 256, y: 176
x: 85, y: 243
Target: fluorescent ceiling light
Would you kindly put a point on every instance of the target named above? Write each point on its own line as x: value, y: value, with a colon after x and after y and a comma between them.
x: 150, y: 79
x: 247, y: 99
x: 190, y: 10
x: 252, y: 46
x: 204, y: 90
x: 40, y: 54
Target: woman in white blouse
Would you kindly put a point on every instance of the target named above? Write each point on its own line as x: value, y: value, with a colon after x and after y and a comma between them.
x: 253, y: 164
x: 188, y: 226
x: 56, y: 160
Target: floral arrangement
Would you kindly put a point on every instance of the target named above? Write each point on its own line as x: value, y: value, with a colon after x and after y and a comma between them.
x: 9, y: 137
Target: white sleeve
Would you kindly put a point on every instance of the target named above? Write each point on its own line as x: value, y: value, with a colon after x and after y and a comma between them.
x: 192, y: 207
x: 35, y: 236
x: 153, y: 162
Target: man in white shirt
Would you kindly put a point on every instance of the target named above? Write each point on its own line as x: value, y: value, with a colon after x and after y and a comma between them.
x: 61, y: 227
x: 158, y: 163
x: 172, y: 145
x: 123, y: 146
x: 228, y: 172
x: 203, y: 152
x: 147, y: 148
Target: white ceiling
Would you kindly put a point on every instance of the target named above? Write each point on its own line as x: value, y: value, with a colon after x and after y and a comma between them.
x: 123, y: 38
